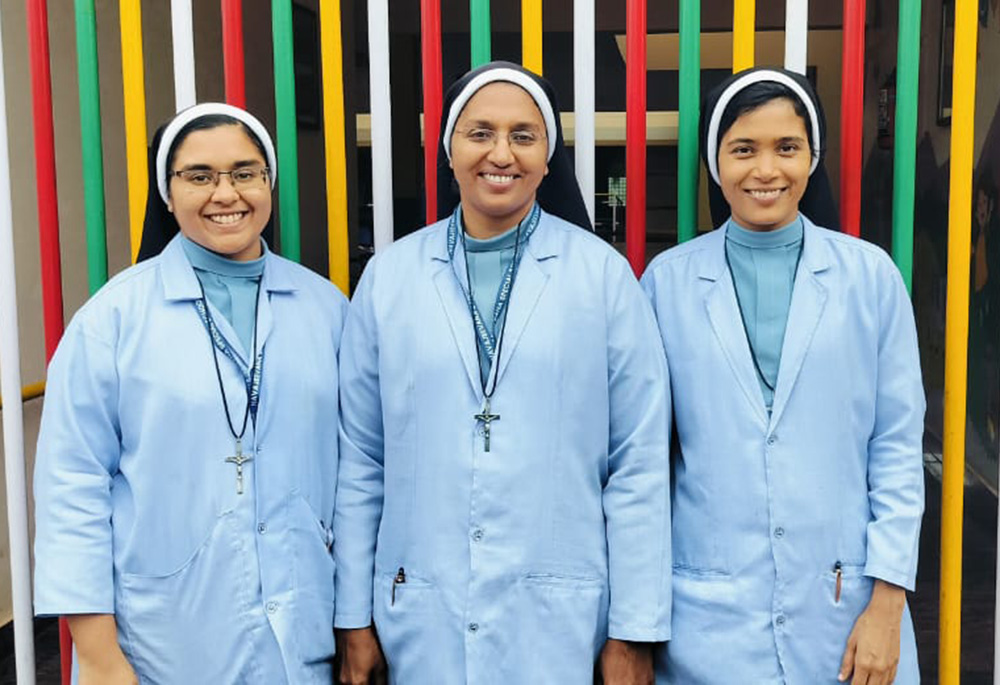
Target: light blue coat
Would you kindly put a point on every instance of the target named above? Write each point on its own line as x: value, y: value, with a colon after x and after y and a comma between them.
x: 518, y: 562
x: 764, y: 507
x: 137, y: 511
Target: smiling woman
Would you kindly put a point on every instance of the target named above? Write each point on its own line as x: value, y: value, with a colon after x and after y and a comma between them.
x: 178, y: 547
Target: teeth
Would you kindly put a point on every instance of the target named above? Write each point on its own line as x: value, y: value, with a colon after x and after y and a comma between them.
x: 765, y: 194
x: 227, y: 218
x: 497, y: 178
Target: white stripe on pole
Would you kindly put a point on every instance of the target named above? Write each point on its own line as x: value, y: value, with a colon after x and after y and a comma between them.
x: 13, y: 423
x: 583, y: 105
x: 381, y: 122
x: 182, y: 26
x: 796, y: 34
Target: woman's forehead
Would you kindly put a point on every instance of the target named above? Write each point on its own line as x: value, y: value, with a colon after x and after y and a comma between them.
x: 774, y: 119
x: 222, y: 139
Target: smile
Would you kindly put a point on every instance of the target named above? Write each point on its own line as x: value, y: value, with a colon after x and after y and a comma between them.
x: 768, y: 194
x: 499, y: 178
x: 226, y: 219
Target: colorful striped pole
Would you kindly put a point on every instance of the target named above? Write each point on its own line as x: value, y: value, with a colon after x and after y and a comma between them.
x: 232, y: 52
x: 130, y: 17
x: 905, y: 165
x: 635, y: 134
x: 288, y: 136
x: 687, y: 119
x: 92, y: 154
x: 13, y: 421
x: 182, y: 32
x: 796, y: 34
x: 963, y: 124
x: 479, y: 26
x: 583, y: 105
x: 430, y: 45
x: 852, y: 116
x: 45, y: 173
x: 531, y: 35
x: 381, y: 126
x: 744, y: 19
x: 331, y: 45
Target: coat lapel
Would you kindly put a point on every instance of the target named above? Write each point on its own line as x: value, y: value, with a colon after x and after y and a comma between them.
x: 528, y: 286
x: 809, y: 298
x: 447, y: 282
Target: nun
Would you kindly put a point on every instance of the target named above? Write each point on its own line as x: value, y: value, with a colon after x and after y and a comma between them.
x: 798, y: 407
x: 502, y: 512
x: 187, y: 461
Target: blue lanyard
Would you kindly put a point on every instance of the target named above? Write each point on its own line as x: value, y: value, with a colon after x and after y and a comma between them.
x: 251, y: 379
x: 484, y: 336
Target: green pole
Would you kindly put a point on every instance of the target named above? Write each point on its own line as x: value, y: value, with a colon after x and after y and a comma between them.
x: 288, y: 141
x: 90, y: 136
x: 479, y: 27
x: 905, y: 165
x: 687, y: 119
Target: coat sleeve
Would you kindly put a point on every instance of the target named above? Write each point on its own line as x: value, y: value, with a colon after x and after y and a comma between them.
x: 895, y: 452
x: 76, y: 460
x: 637, y: 494
x: 360, y: 476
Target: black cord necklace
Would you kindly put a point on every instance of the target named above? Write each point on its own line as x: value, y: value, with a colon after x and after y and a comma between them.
x: 488, y: 389
x: 239, y: 459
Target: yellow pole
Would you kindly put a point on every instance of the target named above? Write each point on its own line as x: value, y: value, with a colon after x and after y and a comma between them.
x: 744, y: 12
x: 957, y: 339
x: 30, y: 392
x: 531, y: 35
x: 338, y: 244
x: 135, y: 118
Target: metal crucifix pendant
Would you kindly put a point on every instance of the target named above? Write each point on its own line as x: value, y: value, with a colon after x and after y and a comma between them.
x: 487, y: 418
x: 239, y: 459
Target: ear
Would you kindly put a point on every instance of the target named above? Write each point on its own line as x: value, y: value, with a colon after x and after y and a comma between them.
x: 170, y: 206
x: 546, y: 170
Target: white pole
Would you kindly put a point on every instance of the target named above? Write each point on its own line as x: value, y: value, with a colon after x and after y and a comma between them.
x: 583, y: 107
x: 182, y: 26
x: 996, y: 619
x: 796, y: 34
x: 381, y: 122
x: 13, y: 423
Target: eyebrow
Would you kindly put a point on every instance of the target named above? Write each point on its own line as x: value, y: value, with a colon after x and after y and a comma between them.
x: 483, y: 123
x: 208, y: 167
x: 784, y: 139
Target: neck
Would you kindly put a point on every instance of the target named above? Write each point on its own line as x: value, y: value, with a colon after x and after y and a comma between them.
x: 482, y: 226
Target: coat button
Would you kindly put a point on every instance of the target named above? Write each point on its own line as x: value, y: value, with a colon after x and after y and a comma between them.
x: 779, y: 620
x: 261, y: 527
x: 473, y: 627
x: 772, y: 439
x: 271, y: 607
x: 477, y: 534
x: 480, y: 431
x: 779, y: 532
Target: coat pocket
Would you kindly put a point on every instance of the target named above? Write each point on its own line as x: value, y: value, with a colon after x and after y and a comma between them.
x: 312, y: 543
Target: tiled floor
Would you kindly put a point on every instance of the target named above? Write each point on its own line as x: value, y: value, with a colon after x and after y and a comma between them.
x: 977, y: 597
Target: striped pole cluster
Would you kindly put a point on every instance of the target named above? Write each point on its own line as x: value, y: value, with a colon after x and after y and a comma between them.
x: 430, y: 45
x: 531, y: 35
x: 905, y: 164
x: 288, y: 135
x: 232, y: 52
x: 133, y: 84
x: 584, y: 97
x: 635, y: 134
x: 956, y: 337
x: 381, y: 121
x: 336, y: 153
x: 479, y: 26
x: 852, y: 116
x: 687, y: 119
x: 90, y: 137
x: 13, y: 423
x: 182, y: 31
x: 744, y: 20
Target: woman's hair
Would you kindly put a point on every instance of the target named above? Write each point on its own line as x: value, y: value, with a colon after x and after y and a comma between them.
x: 206, y: 122
x: 757, y: 95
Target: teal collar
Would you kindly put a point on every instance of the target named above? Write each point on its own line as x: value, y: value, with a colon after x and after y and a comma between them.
x: 206, y: 260
x: 785, y: 236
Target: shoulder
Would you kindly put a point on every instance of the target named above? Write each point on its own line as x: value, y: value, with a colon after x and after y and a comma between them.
x: 138, y: 286
x: 680, y: 256
x: 853, y: 253
x: 312, y: 290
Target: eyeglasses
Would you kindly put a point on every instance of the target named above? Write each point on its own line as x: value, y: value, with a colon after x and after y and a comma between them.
x: 244, y: 178
x: 487, y: 137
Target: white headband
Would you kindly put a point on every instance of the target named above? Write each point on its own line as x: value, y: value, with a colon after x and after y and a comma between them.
x: 188, y: 115
x: 712, y: 144
x: 510, y: 76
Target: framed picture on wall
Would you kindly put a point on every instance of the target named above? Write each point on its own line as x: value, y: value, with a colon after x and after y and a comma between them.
x: 946, y: 62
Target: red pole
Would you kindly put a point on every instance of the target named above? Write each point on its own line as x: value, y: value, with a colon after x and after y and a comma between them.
x: 851, y: 115
x: 430, y: 41
x: 232, y: 52
x: 635, y: 135
x: 48, y: 218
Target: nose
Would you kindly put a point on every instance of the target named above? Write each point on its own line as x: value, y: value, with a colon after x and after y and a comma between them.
x: 501, y: 154
x: 766, y: 168
x: 225, y: 192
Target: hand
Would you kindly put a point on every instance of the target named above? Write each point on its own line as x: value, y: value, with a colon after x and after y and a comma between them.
x: 872, y: 652
x: 627, y: 663
x: 361, y: 660
x: 118, y: 673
